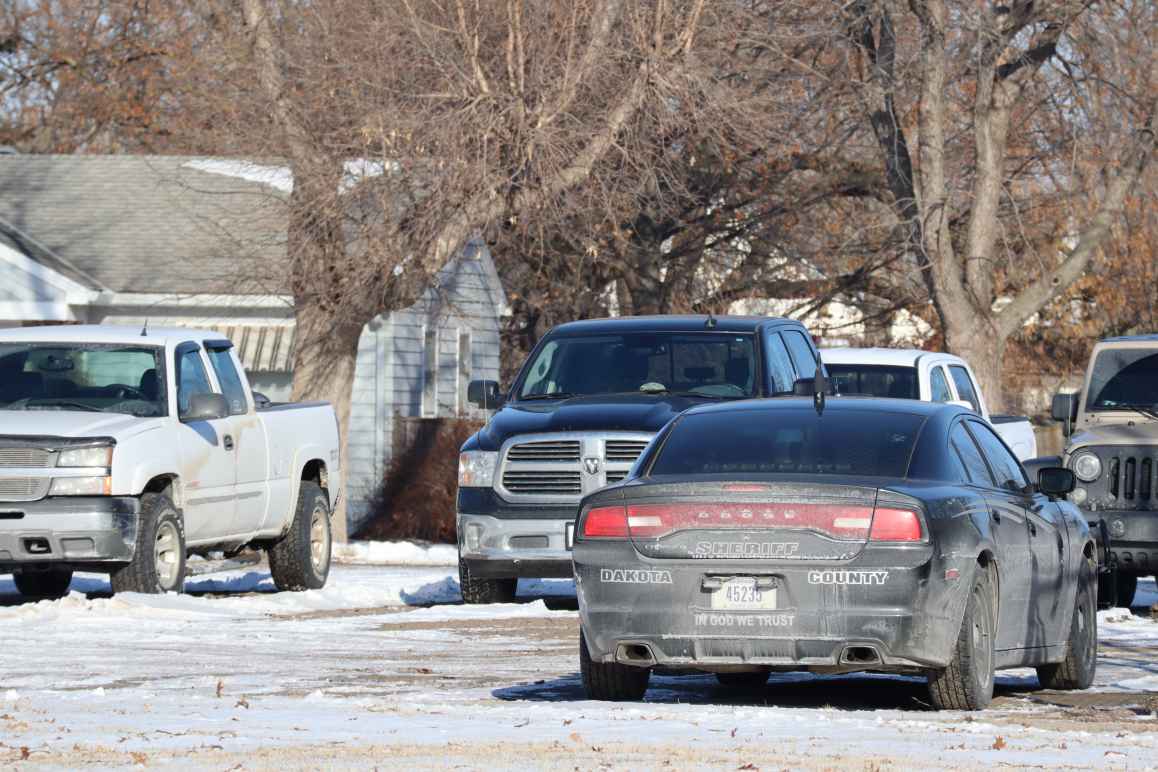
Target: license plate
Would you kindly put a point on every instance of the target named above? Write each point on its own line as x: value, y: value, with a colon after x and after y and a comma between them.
x: 742, y: 594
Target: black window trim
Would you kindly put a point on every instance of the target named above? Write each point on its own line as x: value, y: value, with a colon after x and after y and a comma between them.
x: 963, y: 422
x: 181, y: 350
x: 1025, y: 477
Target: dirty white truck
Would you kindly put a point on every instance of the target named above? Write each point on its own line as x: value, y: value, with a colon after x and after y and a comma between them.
x: 127, y: 451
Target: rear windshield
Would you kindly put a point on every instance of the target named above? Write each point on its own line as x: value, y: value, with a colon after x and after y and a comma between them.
x: 853, y: 442
x: 875, y: 381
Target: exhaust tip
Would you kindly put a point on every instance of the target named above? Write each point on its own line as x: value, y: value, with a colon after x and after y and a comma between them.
x: 634, y: 654
x: 860, y: 656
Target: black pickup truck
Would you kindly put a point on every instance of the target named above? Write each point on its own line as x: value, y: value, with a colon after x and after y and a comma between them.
x: 583, y: 408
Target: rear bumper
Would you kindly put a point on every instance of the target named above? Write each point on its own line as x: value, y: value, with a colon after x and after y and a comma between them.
x: 1133, y: 539
x: 69, y: 530
x: 864, y: 614
x: 497, y: 548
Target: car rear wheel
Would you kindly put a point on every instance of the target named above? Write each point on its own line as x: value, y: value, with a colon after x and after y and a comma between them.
x: 746, y: 681
x: 43, y: 583
x: 1127, y: 587
x: 967, y: 683
x: 478, y: 590
x: 1077, y: 670
x: 610, y: 681
x: 300, y: 560
x: 158, y: 565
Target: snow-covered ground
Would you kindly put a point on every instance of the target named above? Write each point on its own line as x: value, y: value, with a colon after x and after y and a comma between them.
x: 384, y: 667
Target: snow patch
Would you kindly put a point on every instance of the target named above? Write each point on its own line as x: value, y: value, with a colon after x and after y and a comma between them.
x: 279, y: 178
x: 396, y: 553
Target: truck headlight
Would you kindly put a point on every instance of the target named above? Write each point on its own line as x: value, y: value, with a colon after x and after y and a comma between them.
x: 1087, y: 467
x: 476, y: 468
x: 91, y: 457
x: 81, y: 486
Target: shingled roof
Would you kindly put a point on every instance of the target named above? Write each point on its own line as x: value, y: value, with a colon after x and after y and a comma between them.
x: 145, y: 224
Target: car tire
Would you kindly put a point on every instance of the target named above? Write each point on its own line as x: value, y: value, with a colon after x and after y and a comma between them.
x: 1127, y: 587
x: 751, y: 680
x: 1077, y: 670
x: 300, y: 559
x: 477, y: 590
x: 51, y: 583
x: 967, y: 683
x: 158, y: 565
x: 611, y: 681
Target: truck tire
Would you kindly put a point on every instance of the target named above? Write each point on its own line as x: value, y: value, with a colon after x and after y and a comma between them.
x: 300, y: 560
x: 1127, y: 586
x: 158, y: 566
x: 745, y: 681
x: 477, y: 590
x: 610, y: 681
x: 967, y: 683
x: 1077, y: 670
x: 43, y: 583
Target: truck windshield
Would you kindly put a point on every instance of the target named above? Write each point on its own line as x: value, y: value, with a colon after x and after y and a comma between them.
x: 82, y: 377
x: 1124, y: 378
x: 875, y: 381
x: 705, y: 364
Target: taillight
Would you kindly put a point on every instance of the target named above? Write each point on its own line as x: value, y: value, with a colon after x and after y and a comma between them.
x: 891, y: 524
x: 840, y: 521
x: 605, y: 523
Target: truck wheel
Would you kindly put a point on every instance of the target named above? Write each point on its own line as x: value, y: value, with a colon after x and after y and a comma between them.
x: 158, y: 565
x: 1127, y: 586
x: 744, y: 681
x: 967, y: 683
x: 611, y: 681
x: 476, y: 590
x: 1076, y: 671
x: 300, y: 560
x: 43, y: 583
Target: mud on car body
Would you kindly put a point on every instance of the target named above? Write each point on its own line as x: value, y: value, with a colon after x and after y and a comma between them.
x: 881, y: 535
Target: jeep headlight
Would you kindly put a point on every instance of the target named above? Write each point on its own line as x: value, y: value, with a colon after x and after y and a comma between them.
x: 98, y: 456
x: 1087, y: 467
x: 476, y: 468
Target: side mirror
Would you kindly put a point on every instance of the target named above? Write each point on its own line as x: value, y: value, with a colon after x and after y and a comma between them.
x: 484, y: 394
x: 1055, y: 481
x: 206, y: 407
x: 260, y: 400
x: 1064, y: 408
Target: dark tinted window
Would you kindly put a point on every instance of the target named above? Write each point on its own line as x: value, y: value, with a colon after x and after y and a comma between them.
x: 1124, y: 377
x: 191, y: 378
x: 230, y: 381
x: 970, y: 456
x: 1003, y: 463
x: 874, y: 381
x: 779, y: 365
x: 869, y: 443
x: 965, y: 388
x: 938, y: 386
x: 801, y: 352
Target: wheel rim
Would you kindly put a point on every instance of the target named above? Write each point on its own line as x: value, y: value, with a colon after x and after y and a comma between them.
x: 320, y: 539
x: 167, y: 555
x: 981, y: 642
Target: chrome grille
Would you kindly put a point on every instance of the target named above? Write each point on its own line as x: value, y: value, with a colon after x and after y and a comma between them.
x: 23, y: 488
x: 548, y: 483
x: 614, y: 477
x: 562, y: 450
x: 25, y: 458
x: 624, y: 450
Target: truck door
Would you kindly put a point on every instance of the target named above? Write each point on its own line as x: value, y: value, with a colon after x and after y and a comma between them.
x: 250, y: 446
x: 208, y: 461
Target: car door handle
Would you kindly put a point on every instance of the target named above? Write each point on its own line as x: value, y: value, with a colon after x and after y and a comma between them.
x: 228, y: 442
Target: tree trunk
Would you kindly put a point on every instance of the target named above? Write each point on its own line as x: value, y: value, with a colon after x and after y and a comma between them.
x: 325, y: 357
x: 983, y: 350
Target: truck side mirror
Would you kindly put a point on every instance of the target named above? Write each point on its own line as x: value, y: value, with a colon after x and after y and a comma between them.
x: 206, y: 407
x: 1055, y: 480
x: 260, y: 400
x: 1065, y: 408
x: 484, y: 394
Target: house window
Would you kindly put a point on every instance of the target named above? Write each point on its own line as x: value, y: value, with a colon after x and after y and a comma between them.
x: 464, y: 370
x: 430, y: 373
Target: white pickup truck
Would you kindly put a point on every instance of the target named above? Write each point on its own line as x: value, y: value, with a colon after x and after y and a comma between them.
x: 925, y: 375
x: 126, y: 451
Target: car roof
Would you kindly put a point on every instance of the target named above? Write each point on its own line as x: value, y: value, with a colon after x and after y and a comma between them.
x: 887, y: 357
x: 667, y: 323
x: 1147, y: 338
x: 833, y: 406
x: 106, y: 333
